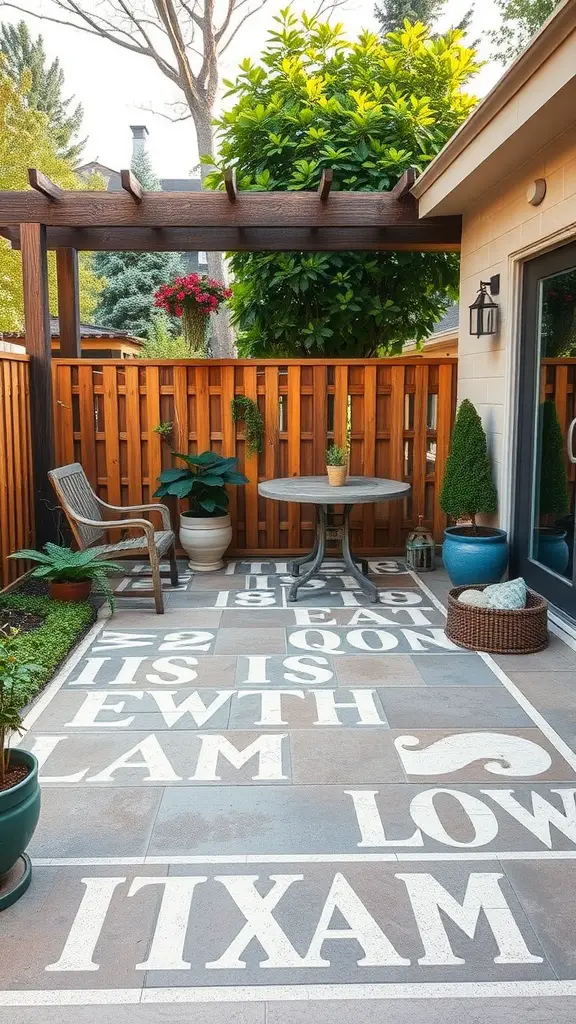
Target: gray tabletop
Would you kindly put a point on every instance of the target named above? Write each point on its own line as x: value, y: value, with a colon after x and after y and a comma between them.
x: 315, y: 490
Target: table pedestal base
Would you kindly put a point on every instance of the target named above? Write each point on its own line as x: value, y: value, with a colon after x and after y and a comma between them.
x: 355, y: 566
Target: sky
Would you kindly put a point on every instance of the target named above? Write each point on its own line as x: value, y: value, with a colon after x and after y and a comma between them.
x: 118, y: 88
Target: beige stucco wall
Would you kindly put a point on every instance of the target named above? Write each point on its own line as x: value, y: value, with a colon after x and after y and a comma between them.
x: 498, y: 230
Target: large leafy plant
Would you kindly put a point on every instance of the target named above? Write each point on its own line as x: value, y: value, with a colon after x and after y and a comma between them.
x: 202, y: 481
x: 56, y: 563
x: 367, y: 109
x: 16, y: 689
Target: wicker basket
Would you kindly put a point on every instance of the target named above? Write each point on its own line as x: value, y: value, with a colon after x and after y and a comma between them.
x: 523, y: 631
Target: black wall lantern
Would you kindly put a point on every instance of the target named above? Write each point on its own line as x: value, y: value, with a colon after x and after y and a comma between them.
x: 484, y: 311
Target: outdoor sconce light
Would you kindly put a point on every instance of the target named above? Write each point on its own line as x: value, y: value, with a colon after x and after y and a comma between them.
x: 483, y: 311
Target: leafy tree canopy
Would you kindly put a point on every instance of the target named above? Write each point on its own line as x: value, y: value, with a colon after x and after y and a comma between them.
x: 520, y: 20
x: 393, y: 13
x: 26, y: 141
x: 368, y: 109
x: 25, y: 56
x: 131, y: 278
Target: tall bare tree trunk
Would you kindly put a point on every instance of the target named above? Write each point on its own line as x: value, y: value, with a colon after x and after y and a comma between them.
x: 222, y: 342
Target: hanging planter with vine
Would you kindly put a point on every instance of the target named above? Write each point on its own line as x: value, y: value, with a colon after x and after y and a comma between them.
x: 193, y: 299
x: 244, y: 408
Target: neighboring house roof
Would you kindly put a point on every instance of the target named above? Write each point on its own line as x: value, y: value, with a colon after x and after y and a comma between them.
x: 449, y: 322
x: 86, y: 331
x: 95, y: 165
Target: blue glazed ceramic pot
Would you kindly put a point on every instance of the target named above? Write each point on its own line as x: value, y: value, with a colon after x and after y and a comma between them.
x: 470, y: 559
x: 552, y: 549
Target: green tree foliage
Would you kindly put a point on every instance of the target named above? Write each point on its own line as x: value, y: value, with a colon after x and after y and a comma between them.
x: 25, y: 56
x: 368, y: 110
x: 393, y: 13
x: 520, y: 20
x: 468, y: 488
x: 160, y: 342
x: 26, y: 141
x: 131, y: 278
x: 553, y: 479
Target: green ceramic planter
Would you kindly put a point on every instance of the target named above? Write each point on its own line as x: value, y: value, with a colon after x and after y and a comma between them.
x: 19, y: 812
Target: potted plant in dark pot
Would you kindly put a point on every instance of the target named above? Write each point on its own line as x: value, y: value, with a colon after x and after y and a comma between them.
x: 19, y: 789
x: 71, y: 575
x: 471, y: 553
x: 205, y: 530
x: 550, y: 545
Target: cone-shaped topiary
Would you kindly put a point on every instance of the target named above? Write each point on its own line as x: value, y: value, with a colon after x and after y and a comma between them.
x: 468, y: 488
x: 553, y: 478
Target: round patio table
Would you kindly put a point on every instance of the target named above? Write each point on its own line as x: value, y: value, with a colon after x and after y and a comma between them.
x: 315, y: 490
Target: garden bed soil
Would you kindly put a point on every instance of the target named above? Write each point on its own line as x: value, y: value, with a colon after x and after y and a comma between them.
x: 17, y: 618
x: 468, y: 531
x: 14, y: 775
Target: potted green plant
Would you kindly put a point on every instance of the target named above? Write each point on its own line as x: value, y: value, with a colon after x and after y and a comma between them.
x: 471, y: 553
x: 551, y: 548
x: 205, y: 530
x: 19, y: 789
x: 337, y: 464
x: 71, y: 575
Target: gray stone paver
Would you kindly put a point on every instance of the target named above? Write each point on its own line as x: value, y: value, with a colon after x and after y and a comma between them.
x: 433, y: 790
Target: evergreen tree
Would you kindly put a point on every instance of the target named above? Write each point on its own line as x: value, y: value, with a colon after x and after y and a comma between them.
x: 391, y: 14
x: 126, y: 302
x: 25, y: 61
x: 521, y: 19
x: 468, y: 488
x: 553, y: 478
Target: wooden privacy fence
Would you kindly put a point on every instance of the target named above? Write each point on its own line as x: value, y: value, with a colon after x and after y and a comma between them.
x: 398, y: 414
x: 16, y: 482
x: 558, y: 381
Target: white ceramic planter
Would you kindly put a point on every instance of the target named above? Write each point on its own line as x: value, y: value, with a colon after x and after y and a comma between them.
x: 205, y: 541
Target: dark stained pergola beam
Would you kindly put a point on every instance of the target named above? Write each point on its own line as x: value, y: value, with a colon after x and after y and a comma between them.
x: 436, y: 234
x: 230, y: 183
x: 131, y: 185
x: 325, y: 183
x: 405, y: 183
x: 210, y: 210
x: 44, y: 185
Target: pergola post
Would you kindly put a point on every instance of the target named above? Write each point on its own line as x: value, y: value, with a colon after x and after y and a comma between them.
x: 68, y: 303
x: 37, y: 323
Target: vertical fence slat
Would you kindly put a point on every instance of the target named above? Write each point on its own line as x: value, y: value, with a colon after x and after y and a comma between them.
x: 87, y: 422
x: 202, y: 409
x: 271, y: 421
x: 133, y: 436
x: 340, y: 405
x: 229, y: 440
x: 182, y: 425
x: 19, y: 537
x: 4, y: 484
x: 251, y: 468
x: 153, y: 418
x: 294, y: 439
x: 64, y: 422
x: 369, y: 453
x: 320, y: 410
x: 111, y: 431
x: 396, y: 471
x: 446, y: 386
x: 419, y: 443
x: 16, y: 474
x: 26, y: 454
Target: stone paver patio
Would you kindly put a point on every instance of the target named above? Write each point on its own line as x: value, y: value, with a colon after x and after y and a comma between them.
x: 256, y: 813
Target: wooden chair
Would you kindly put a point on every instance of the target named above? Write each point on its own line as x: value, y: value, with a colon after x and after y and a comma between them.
x: 83, y: 510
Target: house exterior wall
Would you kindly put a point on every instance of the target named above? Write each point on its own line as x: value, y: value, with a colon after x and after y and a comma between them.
x: 500, y: 230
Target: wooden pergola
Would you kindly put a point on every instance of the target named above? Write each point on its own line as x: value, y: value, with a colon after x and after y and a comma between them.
x: 47, y: 217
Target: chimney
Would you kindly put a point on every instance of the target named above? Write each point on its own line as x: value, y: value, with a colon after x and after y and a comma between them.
x: 139, y: 133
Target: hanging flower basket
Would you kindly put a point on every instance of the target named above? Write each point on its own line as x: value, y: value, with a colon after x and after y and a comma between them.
x: 193, y: 299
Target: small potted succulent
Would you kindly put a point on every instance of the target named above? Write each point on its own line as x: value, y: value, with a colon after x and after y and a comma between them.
x: 19, y: 789
x: 71, y: 575
x: 205, y: 530
x: 337, y: 464
x: 193, y: 298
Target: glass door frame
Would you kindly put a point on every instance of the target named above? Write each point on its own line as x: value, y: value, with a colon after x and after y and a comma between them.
x: 560, y: 591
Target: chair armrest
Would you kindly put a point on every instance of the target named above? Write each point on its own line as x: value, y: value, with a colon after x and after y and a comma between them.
x: 119, y: 524
x: 154, y: 507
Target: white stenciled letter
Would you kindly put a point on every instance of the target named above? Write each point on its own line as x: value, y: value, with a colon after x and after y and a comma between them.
x: 370, y: 822
x: 192, y: 705
x: 95, y: 702
x: 267, y: 748
x: 151, y: 756
x: 483, y: 821
x: 307, y: 666
x: 260, y: 924
x: 327, y: 707
x: 42, y: 747
x: 271, y: 704
x: 378, y: 950
x: 178, y: 674
x: 543, y: 814
x: 166, y: 951
x: 83, y: 936
x: 483, y: 893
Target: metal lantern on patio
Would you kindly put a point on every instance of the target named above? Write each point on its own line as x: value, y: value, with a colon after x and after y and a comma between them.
x: 420, y: 549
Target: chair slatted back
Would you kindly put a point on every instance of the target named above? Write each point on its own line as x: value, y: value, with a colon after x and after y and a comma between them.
x: 77, y: 499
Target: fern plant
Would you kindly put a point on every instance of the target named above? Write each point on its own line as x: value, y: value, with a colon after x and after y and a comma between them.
x: 64, y: 564
x: 244, y: 408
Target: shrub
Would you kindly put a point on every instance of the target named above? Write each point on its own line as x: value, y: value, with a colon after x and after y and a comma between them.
x: 468, y: 488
